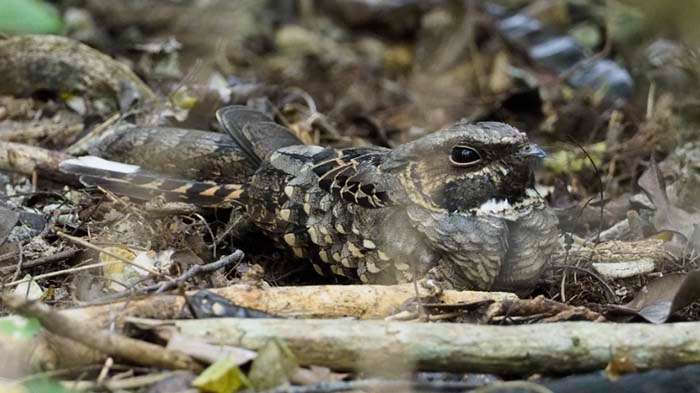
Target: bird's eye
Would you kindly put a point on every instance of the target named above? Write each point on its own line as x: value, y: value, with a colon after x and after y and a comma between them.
x: 464, y: 156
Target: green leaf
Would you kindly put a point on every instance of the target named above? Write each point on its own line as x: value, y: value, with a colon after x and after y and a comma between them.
x: 19, y: 327
x: 29, y: 17
x: 45, y: 386
x: 221, y: 377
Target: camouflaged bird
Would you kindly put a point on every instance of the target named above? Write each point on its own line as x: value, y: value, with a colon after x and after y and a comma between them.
x: 457, y: 206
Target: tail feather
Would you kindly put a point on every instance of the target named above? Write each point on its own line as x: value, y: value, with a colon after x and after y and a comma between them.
x: 135, y: 182
x: 254, y: 131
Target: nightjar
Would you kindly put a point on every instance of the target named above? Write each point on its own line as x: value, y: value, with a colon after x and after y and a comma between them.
x: 457, y: 206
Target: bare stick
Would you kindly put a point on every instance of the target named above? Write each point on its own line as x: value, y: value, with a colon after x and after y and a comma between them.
x: 40, y: 129
x: 59, y: 256
x: 26, y: 159
x: 329, y: 301
x: 136, y: 351
x: 405, y: 346
x: 313, y: 301
x: 613, y: 251
x: 60, y: 273
x: 20, y: 262
x: 196, y: 270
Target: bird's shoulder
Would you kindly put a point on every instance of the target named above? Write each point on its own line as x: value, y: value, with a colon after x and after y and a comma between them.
x: 351, y: 174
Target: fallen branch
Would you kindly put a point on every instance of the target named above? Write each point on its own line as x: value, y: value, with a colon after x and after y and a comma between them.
x: 350, y: 344
x: 87, y: 334
x: 614, y: 251
x: 331, y: 301
x: 55, y: 273
x: 26, y: 159
x: 57, y: 257
x: 319, y: 301
x: 404, y: 346
x: 23, y: 132
x: 545, y: 310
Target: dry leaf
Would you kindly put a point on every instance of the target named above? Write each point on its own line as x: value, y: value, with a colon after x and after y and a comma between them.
x: 209, y: 353
x: 29, y: 289
x: 668, y: 217
x: 274, y: 365
x: 221, y: 377
x: 660, y: 298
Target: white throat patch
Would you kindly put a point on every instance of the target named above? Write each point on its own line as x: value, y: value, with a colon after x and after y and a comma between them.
x: 494, y: 206
x: 501, y: 207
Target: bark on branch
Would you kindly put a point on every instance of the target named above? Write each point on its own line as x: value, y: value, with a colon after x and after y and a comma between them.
x: 90, y: 336
x: 25, y: 159
x: 402, y: 346
x: 315, y: 301
x: 614, y: 251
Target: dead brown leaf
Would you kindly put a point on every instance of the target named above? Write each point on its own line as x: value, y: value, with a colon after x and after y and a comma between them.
x: 660, y: 298
x: 668, y: 217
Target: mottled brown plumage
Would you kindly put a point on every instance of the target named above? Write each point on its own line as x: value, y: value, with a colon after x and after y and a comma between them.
x: 457, y: 205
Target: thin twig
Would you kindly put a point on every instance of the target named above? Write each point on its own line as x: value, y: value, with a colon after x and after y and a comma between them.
x: 82, y: 145
x: 195, y: 270
x: 111, y: 344
x: 84, y: 243
x: 105, y: 370
x: 114, y: 198
x: 423, y: 314
x: 599, y: 176
x: 60, y: 273
x: 20, y: 261
x: 308, y: 100
x: 562, y: 287
x: 612, y: 296
x: 59, y: 256
x: 211, y: 233
x: 650, y: 101
x: 234, y: 223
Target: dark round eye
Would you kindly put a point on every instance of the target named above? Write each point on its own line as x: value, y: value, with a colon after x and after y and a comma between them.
x: 464, y: 156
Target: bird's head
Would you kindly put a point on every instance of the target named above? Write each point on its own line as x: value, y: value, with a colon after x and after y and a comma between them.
x: 463, y: 166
